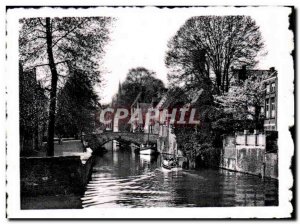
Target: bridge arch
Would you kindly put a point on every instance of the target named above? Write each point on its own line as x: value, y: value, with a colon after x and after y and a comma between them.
x: 136, y: 138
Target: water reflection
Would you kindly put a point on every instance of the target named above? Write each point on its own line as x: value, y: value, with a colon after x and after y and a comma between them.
x: 123, y: 179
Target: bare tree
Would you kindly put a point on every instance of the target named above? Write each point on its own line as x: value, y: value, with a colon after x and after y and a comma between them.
x: 207, y: 47
x: 55, y: 43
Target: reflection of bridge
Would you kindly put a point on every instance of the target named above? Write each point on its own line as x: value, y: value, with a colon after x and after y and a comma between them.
x: 137, y: 138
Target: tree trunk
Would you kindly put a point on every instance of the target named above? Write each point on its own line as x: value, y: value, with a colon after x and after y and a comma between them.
x: 227, y: 81
x: 54, y: 77
x: 223, y: 81
x: 219, y: 81
x: 36, y: 119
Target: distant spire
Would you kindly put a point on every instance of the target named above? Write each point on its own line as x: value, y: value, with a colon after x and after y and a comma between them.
x: 119, y: 92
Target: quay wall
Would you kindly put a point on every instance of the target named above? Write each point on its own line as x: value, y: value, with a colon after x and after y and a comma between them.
x: 271, y: 169
x: 59, y: 175
x: 249, y: 153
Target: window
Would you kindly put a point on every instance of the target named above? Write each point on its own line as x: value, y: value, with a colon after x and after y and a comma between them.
x: 165, y: 132
x: 267, y: 108
x: 273, y: 86
x: 273, y: 107
x: 267, y: 88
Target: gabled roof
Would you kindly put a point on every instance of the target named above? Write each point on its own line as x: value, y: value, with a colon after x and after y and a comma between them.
x: 195, y: 98
x: 172, y: 96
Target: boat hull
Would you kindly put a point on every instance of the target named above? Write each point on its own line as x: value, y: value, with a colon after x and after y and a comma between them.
x: 147, y: 151
x: 170, y: 168
x: 147, y: 158
x: 167, y: 167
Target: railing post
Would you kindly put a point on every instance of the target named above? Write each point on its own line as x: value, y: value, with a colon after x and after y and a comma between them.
x: 255, y: 136
x: 245, y: 137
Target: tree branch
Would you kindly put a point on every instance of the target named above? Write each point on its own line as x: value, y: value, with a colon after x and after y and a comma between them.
x: 47, y: 64
x: 67, y: 33
x: 41, y: 22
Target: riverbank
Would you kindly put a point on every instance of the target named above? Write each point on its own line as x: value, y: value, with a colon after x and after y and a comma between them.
x: 51, y: 202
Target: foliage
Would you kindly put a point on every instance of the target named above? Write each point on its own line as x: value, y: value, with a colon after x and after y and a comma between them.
x: 200, y: 57
x: 55, y: 43
x: 245, y: 100
x: 206, y: 47
x: 193, y: 140
x: 200, y: 146
x: 140, y: 80
x: 94, y: 144
x: 74, y: 39
x: 77, y: 103
x: 33, y: 112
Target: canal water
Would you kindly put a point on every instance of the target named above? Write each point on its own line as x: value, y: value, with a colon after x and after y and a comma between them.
x: 124, y: 179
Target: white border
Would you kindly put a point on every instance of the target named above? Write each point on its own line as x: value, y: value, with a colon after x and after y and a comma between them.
x: 285, y: 144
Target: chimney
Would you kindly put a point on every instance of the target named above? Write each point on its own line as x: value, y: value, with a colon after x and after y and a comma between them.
x: 272, y: 69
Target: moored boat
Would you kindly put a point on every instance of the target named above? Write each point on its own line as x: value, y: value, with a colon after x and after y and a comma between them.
x: 147, y: 150
x: 147, y: 158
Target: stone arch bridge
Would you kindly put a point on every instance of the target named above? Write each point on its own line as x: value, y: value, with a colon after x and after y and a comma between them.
x: 130, y: 137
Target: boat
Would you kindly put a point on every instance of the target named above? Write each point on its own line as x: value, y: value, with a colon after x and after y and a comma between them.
x: 147, y: 158
x: 171, y: 168
x: 169, y: 164
x: 147, y: 150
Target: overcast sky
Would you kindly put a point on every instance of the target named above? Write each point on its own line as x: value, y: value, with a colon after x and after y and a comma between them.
x: 140, y: 36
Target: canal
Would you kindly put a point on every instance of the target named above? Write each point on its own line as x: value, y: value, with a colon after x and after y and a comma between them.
x: 124, y: 179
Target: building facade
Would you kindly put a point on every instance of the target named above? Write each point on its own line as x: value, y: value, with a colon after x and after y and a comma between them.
x: 271, y: 102
x: 270, y: 84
